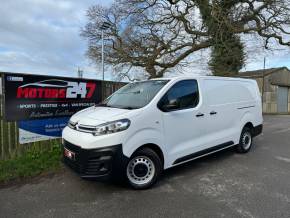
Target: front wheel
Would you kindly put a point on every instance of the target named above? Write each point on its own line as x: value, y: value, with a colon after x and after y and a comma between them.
x: 143, y: 169
x: 246, y: 140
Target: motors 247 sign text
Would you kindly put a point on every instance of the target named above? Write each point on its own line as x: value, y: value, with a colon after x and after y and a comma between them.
x: 37, y: 97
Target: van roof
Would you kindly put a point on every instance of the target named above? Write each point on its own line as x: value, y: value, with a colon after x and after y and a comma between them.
x: 201, y: 77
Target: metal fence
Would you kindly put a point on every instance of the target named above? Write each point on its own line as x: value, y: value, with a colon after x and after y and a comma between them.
x: 9, y: 143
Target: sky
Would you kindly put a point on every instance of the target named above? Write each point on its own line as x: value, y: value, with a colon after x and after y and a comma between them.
x: 42, y: 36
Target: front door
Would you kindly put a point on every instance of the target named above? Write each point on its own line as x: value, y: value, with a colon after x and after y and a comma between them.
x: 184, y: 128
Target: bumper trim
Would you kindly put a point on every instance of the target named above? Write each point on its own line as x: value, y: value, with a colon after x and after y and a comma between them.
x: 257, y: 130
x: 98, y: 163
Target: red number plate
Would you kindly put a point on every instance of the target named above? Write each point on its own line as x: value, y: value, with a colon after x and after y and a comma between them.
x: 69, y: 154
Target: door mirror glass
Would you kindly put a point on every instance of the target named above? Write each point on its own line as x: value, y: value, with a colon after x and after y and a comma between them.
x: 171, y: 105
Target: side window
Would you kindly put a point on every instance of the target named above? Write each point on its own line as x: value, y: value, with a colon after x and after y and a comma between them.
x: 182, y: 95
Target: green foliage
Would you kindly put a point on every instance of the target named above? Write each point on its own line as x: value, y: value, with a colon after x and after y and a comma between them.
x: 227, y: 56
x: 31, y: 163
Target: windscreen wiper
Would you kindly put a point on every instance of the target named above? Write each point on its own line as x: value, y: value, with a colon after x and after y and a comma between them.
x: 130, y: 108
x: 102, y: 105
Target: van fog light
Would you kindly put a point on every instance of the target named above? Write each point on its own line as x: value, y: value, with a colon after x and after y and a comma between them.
x: 103, y: 168
x: 112, y: 127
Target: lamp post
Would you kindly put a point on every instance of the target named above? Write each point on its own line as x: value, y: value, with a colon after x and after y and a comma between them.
x: 80, y: 72
x: 104, y: 26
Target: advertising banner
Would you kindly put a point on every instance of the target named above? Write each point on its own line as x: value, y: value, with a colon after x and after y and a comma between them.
x: 30, y: 97
x: 39, y: 130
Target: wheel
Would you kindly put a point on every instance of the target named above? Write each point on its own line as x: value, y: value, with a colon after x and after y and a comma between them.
x: 143, y: 169
x: 246, y: 141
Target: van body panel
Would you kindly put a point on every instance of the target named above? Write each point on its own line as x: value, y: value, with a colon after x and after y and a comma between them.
x: 89, y: 141
x: 146, y: 129
x: 227, y: 101
x: 182, y: 137
x: 98, y: 114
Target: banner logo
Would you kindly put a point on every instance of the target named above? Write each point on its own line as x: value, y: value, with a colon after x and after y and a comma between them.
x: 30, y: 97
x: 49, y: 89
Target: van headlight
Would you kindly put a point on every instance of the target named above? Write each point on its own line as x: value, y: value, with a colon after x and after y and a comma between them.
x: 112, y: 127
x: 72, y: 124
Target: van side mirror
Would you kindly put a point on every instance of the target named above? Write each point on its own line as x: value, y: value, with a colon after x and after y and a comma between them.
x: 171, y: 105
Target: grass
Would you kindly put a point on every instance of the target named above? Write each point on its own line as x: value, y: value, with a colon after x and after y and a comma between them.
x: 31, y: 163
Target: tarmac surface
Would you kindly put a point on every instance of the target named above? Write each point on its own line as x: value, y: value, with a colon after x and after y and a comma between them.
x: 225, y: 184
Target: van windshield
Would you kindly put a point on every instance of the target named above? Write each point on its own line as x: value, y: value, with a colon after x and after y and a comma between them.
x: 135, y: 95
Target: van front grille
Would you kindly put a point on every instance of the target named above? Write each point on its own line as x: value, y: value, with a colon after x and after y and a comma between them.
x: 85, y: 128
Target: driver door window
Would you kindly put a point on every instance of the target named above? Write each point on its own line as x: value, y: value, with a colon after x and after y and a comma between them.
x: 182, y: 95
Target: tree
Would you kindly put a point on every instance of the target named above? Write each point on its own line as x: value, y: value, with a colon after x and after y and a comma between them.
x: 227, y: 56
x: 158, y: 35
x: 226, y: 20
x: 140, y: 37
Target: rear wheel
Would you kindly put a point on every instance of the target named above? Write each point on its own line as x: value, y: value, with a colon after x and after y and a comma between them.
x: 246, y: 140
x: 143, y: 169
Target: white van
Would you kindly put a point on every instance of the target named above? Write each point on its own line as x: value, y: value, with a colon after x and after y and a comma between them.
x: 146, y: 127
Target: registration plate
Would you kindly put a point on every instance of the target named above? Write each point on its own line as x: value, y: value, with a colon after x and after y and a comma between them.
x: 69, y: 154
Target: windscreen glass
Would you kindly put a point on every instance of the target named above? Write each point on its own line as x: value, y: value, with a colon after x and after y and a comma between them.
x: 135, y: 95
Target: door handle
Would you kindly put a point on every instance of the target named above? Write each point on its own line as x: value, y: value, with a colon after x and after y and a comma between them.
x: 199, y: 115
x: 213, y: 113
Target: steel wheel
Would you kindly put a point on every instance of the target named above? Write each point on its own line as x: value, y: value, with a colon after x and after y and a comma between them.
x: 140, y: 170
x: 246, y: 140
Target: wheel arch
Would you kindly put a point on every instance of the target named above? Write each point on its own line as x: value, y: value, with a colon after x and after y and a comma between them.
x: 247, y: 120
x: 155, y: 148
x: 249, y: 125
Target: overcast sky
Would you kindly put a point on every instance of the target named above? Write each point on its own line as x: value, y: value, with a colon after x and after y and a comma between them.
x: 42, y: 36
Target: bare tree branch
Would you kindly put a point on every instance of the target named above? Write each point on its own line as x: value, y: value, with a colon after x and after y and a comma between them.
x: 157, y: 35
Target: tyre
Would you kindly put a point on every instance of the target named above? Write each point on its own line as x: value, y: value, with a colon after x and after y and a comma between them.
x: 246, y: 140
x: 143, y: 169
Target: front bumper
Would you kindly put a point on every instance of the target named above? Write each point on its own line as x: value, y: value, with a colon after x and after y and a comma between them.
x: 101, y: 163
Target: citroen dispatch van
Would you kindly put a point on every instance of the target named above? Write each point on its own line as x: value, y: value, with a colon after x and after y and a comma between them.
x: 146, y: 127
